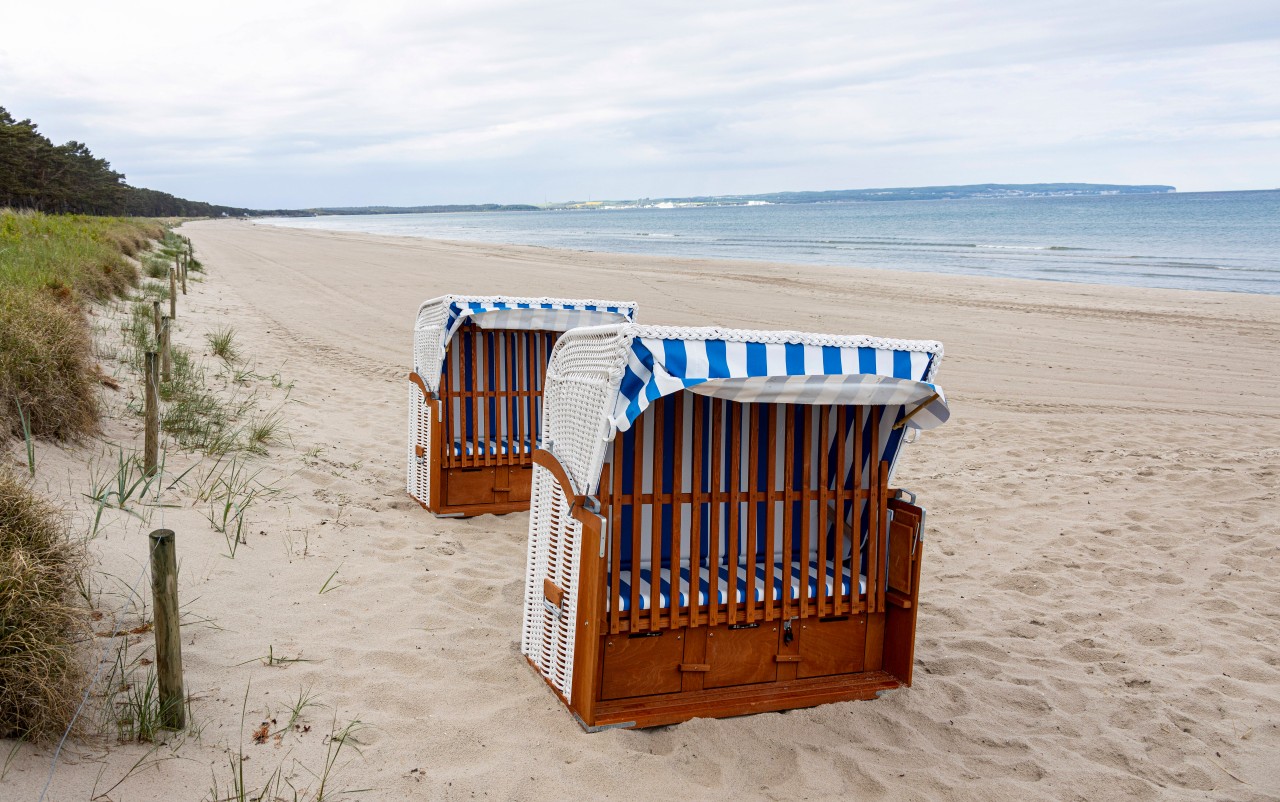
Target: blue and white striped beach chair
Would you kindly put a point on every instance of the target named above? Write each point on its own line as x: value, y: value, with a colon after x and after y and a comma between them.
x: 475, y: 407
x: 713, y: 529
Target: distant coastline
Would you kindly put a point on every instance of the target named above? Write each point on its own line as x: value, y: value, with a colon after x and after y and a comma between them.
x: 954, y: 192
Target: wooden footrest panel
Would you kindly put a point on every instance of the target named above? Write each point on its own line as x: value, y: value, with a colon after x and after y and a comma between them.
x: 719, y: 703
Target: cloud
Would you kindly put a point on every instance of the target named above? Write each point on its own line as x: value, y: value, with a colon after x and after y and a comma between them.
x: 300, y: 104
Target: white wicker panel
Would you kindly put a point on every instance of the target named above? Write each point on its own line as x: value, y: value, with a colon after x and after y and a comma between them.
x: 582, y: 382
x: 411, y: 461
x: 419, y: 470
x: 427, y: 333
x: 548, y: 633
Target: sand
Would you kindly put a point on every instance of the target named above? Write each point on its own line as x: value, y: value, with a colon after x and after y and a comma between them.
x: 1101, y: 586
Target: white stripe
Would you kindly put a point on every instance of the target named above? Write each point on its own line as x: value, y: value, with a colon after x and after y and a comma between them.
x: 775, y: 359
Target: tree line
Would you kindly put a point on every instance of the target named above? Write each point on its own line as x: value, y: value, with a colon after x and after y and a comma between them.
x: 68, y: 178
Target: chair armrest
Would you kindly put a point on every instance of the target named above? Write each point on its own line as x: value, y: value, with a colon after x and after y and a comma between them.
x: 548, y: 460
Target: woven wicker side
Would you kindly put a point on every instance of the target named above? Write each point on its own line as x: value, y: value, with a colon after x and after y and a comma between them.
x: 411, y: 462
x: 582, y: 379
x: 582, y: 382
x: 428, y: 334
x: 548, y: 632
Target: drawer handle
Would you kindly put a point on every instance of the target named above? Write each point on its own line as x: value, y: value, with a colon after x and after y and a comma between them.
x: 695, y: 667
x: 786, y: 658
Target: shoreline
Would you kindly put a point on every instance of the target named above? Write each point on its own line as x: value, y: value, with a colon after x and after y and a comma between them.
x: 749, y: 264
x: 1099, y: 249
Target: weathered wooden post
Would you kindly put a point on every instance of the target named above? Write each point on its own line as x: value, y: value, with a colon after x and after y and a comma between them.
x: 164, y: 594
x: 166, y: 355
x: 173, y: 293
x: 151, y: 394
x: 155, y: 314
x: 184, y: 276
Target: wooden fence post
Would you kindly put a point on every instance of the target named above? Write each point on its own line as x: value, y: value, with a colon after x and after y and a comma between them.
x: 164, y: 594
x: 184, y: 277
x: 151, y: 443
x: 166, y: 354
x: 155, y: 314
x: 173, y: 293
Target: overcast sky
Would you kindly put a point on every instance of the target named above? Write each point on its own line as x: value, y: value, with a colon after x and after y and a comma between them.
x: 289, y: 104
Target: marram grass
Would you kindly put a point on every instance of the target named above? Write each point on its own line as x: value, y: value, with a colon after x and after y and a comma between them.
x: 46, y: 366
x: 41, y: 678
x: 50, y: 266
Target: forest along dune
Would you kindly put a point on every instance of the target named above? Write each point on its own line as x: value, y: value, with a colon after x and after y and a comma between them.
x: 1100, y: 592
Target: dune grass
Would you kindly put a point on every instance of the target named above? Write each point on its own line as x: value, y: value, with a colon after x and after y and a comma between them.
x: 50, y: 267
x: 72, y: 254
x: 223, y: 344
x: 47, y: 374
x: 41, y: 678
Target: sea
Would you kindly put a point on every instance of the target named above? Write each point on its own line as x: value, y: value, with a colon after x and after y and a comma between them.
x: 1221, y: 241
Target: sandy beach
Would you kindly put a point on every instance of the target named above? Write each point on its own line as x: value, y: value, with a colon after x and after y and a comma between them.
x: 1101, y: 592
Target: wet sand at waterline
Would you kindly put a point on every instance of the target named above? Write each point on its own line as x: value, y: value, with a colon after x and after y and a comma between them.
x: 1101, y: 589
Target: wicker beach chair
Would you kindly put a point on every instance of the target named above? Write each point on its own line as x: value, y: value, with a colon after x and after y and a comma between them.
x: 475, y: 404
x: 713, y: 528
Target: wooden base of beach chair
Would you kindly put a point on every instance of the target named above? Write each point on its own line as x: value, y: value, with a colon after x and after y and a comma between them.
x: 669, y: 676
x: 496, y: 490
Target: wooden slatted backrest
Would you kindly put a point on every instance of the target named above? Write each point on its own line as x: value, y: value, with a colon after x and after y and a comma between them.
x: 491, y: 395
x: 727, y: 490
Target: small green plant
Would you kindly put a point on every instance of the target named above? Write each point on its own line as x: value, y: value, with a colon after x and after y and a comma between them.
x: 123, y: 485
x: 329, y: 584
x: 222, y: 343
x: 298, y: 707
x: 262, y: 432
x: 137, y: 714
x: 270, y: 659
x: 232, y: 487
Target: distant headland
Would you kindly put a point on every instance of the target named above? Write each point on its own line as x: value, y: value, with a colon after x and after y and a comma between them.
x: 957, y: 192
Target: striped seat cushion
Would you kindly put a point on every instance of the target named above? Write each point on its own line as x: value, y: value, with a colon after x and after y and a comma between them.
x: 740, y: 587
x: 491, y: 447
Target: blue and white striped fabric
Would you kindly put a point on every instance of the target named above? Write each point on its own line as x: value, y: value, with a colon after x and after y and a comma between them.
x: 548, y: 315
x: 740, y: 587
x: 781, y: 372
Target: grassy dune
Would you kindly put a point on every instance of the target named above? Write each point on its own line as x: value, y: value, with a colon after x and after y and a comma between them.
x: 50, y: 266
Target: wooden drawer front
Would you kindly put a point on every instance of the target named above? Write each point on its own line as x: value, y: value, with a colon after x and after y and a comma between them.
x: 521, y: 483
x: 831, y: 646
x: 469, y: 486
x: 642, y: 666
x: 742, y: 656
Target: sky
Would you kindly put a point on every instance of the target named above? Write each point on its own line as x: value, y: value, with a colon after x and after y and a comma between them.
x: 307, y: 104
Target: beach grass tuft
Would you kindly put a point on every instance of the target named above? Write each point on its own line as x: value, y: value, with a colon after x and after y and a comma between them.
x: 223, y: 344
x: 41, y: 678
x: 46, y: 367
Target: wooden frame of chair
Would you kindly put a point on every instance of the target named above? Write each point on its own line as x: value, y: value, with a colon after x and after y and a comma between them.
x: 739, y: 629
x: 476, y: 436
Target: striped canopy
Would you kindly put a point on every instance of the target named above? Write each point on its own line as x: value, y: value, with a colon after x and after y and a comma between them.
x: 782, y: 367
x: 547, y: 314
x: 440, y: 318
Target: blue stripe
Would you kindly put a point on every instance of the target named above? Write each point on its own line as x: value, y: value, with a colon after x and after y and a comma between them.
x: 867, y: 361
x: 794, y: 358
x: 674, y: 357
x: 757, y: 362
x: 831, y: 365
x: 901, y: 365
x: 717, y: 360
